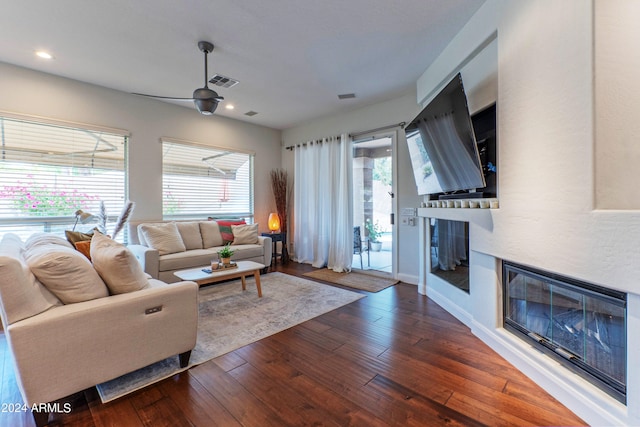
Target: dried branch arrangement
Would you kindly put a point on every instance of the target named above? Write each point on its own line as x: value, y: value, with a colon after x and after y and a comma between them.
x: 123, y: 218
x: 102, y: 218
x: 281, y: 193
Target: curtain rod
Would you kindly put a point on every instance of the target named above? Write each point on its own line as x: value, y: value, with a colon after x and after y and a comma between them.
x: 357, y: 134
x: 352, y: 135
x: 315, y: 141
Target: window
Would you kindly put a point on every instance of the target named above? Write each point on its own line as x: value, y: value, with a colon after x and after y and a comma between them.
x: 48, y: 171
x: 200, y: 181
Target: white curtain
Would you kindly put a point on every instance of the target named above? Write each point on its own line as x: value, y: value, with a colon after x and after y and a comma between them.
x: 323, y: 206
x: 453, y: 164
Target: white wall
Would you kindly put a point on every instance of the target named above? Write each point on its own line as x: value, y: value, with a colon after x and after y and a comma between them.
x: 401, y: 109
x: 547, y: 181
x: 617, y: 61
x: 29, y: 92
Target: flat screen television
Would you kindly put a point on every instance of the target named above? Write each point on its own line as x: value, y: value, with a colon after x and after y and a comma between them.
x: 442, y: 145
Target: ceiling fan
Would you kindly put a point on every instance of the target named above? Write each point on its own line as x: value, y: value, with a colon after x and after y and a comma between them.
x: 206, y: 100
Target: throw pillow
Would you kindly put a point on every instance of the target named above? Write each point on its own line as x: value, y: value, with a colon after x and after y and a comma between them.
x: 22, y: 295
x: 190, y: 233
x: 77, y: 236
x: 211, y: 236
x: 81, y: 241
x: 225, y: 229
x: 84, y: 248
x: 117, y: 265
x: 37, y: 239
x: 164, y: 237
x: 245, y: 234
x: 67, y: 273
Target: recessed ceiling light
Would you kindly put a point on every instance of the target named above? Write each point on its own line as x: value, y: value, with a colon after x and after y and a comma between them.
x: 229, y: 107
x: 44, y: 55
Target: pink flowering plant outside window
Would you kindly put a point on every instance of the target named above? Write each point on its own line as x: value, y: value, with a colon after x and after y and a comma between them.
x: 39, y: 200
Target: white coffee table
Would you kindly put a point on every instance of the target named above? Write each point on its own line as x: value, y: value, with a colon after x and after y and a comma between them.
x: 245, y: 268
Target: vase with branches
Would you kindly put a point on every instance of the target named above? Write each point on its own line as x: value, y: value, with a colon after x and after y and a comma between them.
x: 282, y: 195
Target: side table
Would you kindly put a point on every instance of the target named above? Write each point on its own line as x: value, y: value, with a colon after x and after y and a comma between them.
x: 275, y: 238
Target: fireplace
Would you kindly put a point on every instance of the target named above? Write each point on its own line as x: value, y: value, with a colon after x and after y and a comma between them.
x: 580, y: 324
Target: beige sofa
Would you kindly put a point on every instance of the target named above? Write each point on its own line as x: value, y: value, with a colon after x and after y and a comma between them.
x: 195, y: 244
x: 61, y: 347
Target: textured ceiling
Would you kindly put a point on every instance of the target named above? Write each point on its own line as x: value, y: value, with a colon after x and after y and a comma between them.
x: 292, y: 57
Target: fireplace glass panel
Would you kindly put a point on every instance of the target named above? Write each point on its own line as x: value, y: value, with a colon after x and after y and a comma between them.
x: 450, y: 252
x: 585, y: 325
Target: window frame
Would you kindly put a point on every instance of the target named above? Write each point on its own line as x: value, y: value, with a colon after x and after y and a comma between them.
x: 52, y: 223
x: 247, y: 215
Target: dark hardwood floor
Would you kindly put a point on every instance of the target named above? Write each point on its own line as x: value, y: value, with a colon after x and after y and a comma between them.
x: 392, y: 358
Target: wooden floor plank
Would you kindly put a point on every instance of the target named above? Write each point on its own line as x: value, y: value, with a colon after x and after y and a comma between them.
x: 394, y: 358
x: 112, y: 414
x: 292, y: 407
x: 196, y: 403
x: 244, y: 406
x: 420, y: 410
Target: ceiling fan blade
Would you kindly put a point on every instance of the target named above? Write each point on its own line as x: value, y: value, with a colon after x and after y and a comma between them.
x: 163, y: 97
x: 205, y: 99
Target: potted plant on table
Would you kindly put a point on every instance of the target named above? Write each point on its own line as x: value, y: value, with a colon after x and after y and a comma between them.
x: 374, y: 231
x: 225, y: 254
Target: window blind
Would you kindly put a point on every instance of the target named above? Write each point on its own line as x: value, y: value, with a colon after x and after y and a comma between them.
x: 49, y: 171
x: 200, y: 181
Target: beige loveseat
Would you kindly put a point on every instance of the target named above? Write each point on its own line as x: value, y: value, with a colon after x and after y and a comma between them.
x: 178, y: 245
x: 71, y: 324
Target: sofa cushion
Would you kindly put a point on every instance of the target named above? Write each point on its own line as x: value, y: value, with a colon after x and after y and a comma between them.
x: 12, y: 245
x: 225, y: 229
x: 190, y: 259
x: 164, y: 237
x: 21, y: 293
x: 246, y: 234
x: 117, y: 265
x: 211, y: 236
x: 67, y: 273
x: 190, y: 233
x: 247, y: 251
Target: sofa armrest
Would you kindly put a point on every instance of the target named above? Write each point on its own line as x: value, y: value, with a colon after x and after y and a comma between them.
x: 267, y: 244
x: 149, y: 259
x: 76, y: 346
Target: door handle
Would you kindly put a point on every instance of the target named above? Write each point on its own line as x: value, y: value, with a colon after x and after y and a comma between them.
x: 392, y: 219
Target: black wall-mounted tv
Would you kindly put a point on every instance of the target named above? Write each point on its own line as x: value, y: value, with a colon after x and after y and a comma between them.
x: 443, y: 148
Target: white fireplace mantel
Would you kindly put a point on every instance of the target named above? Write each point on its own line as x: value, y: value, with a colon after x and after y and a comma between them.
x: 475, y: 215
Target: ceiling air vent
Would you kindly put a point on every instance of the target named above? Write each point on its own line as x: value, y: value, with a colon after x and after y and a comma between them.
x: 250, y: 113
x: 347, y: 96
x: 223, y: 81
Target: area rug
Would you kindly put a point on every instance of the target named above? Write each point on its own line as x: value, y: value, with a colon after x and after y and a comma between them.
x: 366, y: 282
x: 230, y: 318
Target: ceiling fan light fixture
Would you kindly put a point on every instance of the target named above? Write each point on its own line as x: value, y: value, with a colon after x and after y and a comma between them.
x: 206, y: 100
x: 206, y: 106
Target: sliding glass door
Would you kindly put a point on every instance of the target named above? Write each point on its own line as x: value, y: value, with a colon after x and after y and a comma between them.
x: 374, y: 203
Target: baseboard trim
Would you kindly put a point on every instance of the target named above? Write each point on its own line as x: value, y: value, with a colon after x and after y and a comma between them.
x: 408, y: 278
